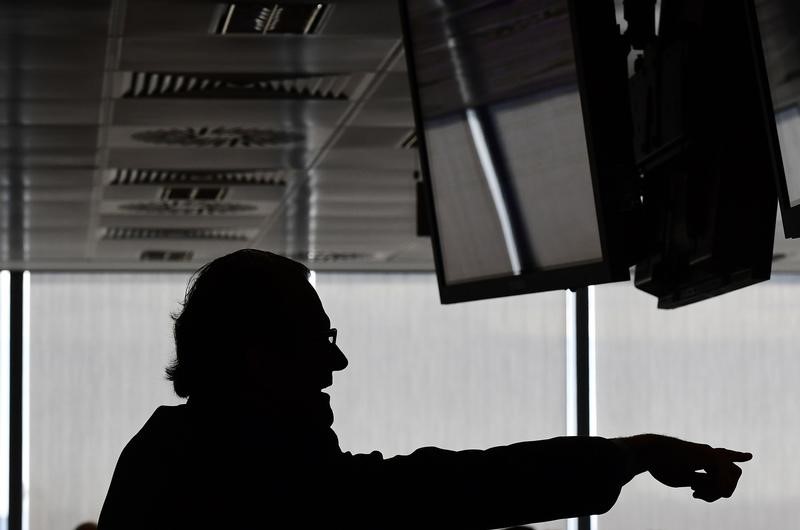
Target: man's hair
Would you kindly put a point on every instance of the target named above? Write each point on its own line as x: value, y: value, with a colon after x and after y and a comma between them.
x: 230, y: 303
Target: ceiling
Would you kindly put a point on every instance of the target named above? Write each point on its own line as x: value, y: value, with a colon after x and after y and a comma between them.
x: 156, y: 135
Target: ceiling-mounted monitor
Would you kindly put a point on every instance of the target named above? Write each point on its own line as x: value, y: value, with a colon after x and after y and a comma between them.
x: 524, y: 129
x: 707, y: 147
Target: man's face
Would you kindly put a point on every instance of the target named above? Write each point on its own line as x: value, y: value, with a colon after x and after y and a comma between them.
x: 293, y: 367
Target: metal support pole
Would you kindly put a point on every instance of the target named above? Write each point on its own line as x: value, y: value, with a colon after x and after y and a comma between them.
x: 582, y: 374
x: 582, y: 359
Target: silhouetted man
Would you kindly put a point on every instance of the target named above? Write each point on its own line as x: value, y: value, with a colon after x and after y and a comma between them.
x: 253, y: 446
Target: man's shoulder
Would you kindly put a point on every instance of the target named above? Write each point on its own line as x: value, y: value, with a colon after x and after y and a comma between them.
x: 166, y: 418
x: 166, y: 426
x: 167, y: 415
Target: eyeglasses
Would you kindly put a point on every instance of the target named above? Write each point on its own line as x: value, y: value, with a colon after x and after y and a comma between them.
x: 331, y: 335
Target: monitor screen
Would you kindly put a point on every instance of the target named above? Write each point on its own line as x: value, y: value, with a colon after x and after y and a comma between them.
x: 500, y: 113
x: 778, y: 20
x: 788, y: 121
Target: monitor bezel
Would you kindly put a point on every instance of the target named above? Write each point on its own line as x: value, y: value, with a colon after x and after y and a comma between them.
x: 790, y: 215
x: 617, y: 241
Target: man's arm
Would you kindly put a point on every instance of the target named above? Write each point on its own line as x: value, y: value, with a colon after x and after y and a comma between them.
x: 494, y: 488
x: 533, y: 481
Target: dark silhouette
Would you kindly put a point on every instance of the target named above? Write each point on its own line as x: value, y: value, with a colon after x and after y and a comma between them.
x: 253, y: 446
x: 86, y: 526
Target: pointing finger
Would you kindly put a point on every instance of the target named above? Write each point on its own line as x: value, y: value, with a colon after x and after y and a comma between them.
x: 735, y: 456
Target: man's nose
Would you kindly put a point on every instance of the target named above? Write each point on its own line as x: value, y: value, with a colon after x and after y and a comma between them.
x: 338, y: 360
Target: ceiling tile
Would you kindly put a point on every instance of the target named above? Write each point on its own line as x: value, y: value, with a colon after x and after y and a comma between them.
x: 201, y: 112
x: 212, y: 135
x: 386, y: 113
x: 52, y: 84
x: 54, y: 52
x: 373, y: 137
x: 378, y: 159
x: 48, y: 136
x: 50, y: 112
x: 54, y: 157
x: 263, y: 54
x: 199, y: 158
x: 67, y: 19
x: 51, y: 177
x: 395, y: 85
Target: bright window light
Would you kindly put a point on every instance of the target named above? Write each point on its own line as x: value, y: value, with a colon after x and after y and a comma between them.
x: 26, y: 407
x: 572, y: 369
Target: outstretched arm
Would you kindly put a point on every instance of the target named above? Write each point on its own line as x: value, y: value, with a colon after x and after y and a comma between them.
x: 710, y: 472
x: 533, y: 481
x: 499, y: 487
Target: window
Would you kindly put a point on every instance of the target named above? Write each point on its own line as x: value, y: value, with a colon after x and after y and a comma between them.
x: 723, y: 372
x: 471, y: 375
x: 99, y: 346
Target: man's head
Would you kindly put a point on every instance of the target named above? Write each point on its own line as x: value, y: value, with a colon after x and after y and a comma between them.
x: 253, y: 329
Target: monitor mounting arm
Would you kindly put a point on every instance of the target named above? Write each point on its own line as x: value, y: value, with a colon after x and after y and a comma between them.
x: 663, y: 69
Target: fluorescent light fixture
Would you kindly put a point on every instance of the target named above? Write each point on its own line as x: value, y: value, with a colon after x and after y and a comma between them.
x: 313, y: 18
x: 228, y: 18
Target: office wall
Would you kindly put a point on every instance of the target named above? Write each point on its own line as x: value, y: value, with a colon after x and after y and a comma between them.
x: 466, y: 376
x: 98, y: 347
x: 725, y: 372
